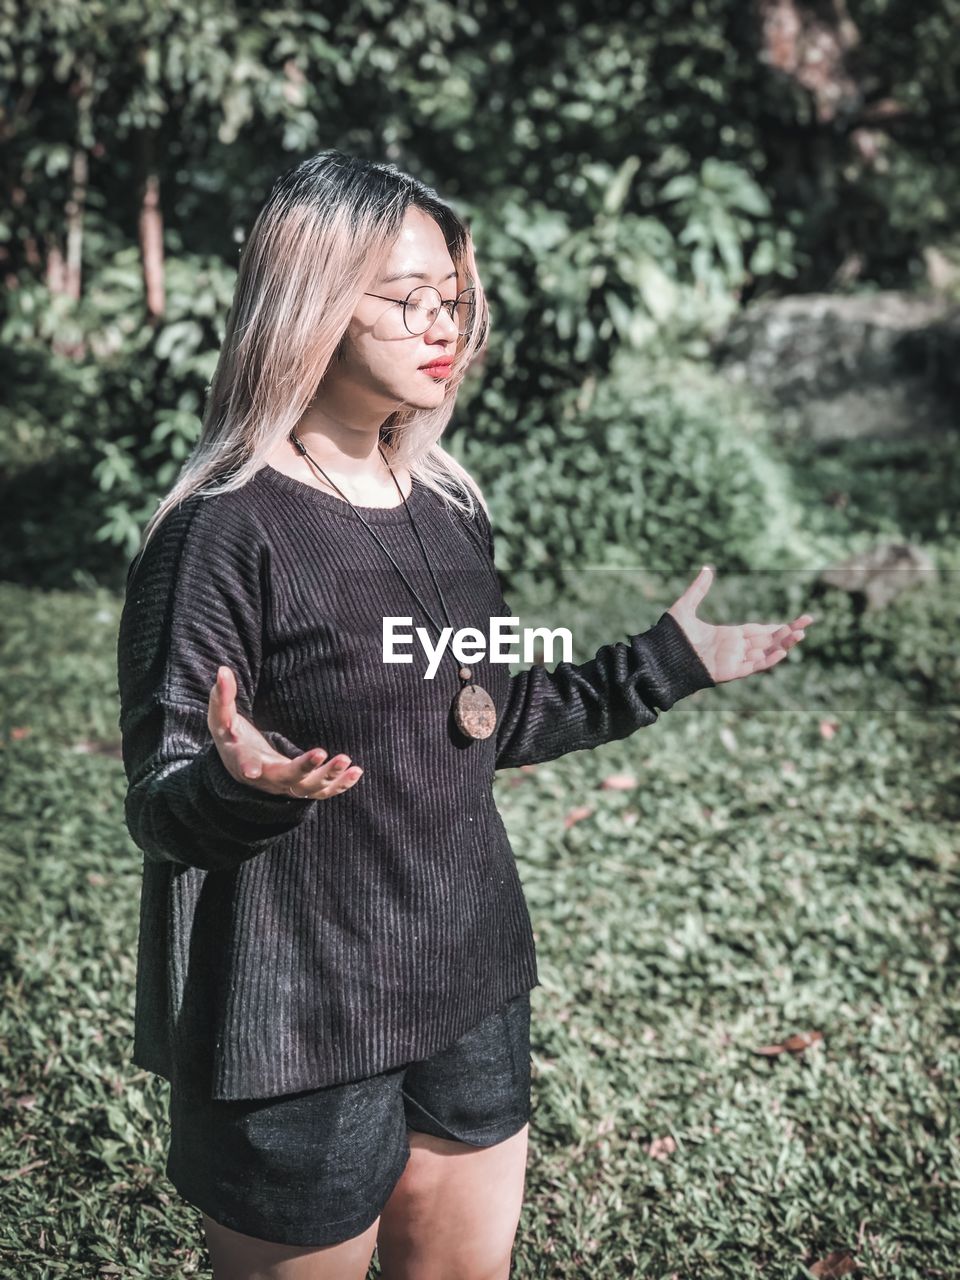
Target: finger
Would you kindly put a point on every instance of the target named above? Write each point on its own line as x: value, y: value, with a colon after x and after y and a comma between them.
x: 283, y: 773
x: 311, y: 761
x: 782, y: 647
x: 253, y: 763
x: 335, y: 769
x: 329, y: 778
x: 793, y: 638
x: 763, y: 661
x: 773, y: 659
x: 771, y: 646
x: 757, y: 653
x: 347, y: 779
x: 223, y: 704
x: 788, y: 633
x: 762, y: 633
x: 698, y: 588
x: 311, y: 771
x: 324, y: 790
x: 753, y: 630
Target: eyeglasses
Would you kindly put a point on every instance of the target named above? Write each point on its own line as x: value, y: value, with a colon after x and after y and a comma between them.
x: 422, y: 305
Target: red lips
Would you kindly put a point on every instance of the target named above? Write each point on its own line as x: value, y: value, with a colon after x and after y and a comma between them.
x: 443, y: 363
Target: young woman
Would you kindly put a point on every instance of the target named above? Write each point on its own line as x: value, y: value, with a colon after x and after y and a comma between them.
x: 335, y: 957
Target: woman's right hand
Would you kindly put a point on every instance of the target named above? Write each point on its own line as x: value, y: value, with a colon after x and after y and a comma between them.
x: 249, y: 757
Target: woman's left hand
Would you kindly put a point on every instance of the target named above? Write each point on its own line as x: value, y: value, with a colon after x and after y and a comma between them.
x: 730, y: 653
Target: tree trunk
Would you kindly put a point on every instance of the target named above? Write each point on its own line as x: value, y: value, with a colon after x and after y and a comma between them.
x: 151, y: 233
x: 73, y: 271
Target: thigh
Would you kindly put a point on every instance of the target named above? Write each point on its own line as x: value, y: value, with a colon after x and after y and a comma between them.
x: 235, y: 1256
x: 455, y: 1210
x: 456, y: 1207
x: 304, y: 1170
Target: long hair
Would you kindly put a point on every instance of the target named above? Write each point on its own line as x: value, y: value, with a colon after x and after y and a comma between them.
x: 325, y: 224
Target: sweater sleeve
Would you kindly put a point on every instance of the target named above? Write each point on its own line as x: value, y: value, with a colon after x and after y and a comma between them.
x: 579, y: 706
x: 194, y: 601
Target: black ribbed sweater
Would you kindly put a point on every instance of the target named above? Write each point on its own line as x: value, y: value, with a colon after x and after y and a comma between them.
x: 289, y: 944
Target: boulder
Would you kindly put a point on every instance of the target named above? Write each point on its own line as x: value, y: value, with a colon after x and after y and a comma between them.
x: 881, y: 573
x: 840, y: 366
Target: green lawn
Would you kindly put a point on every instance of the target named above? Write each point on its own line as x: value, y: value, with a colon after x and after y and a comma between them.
x: 786, y: 863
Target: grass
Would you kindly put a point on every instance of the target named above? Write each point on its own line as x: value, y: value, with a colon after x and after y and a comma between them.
x: 785, y: 863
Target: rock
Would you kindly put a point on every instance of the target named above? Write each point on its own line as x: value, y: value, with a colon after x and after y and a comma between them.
x: 878, y: 365
x: 882, y: 573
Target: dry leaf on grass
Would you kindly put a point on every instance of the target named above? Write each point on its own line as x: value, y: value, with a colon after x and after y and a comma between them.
x: 577, y: 815
x: 662, y: 1148
x: 833, y: 1265
x: 793, y: 1044
x: 618, y: 782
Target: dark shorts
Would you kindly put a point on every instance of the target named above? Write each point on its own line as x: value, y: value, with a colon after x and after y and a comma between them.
x: 316, y: 1168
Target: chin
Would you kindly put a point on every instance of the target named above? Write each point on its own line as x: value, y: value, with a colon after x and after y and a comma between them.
x: 427, y: 398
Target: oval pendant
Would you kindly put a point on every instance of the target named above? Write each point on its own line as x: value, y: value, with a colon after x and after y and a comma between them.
x: 475, y: 711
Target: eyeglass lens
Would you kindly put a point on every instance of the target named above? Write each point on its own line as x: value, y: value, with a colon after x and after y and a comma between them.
x: 423, y: 304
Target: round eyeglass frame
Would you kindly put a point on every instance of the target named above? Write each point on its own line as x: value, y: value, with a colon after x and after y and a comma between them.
x: 449, y: 303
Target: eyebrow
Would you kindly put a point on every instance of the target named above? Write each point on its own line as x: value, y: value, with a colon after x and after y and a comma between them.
x: 406, y: 275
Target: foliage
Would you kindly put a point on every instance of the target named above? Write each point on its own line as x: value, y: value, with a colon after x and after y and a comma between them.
x: 784, y: 862
x: 632, y: 177
x: 669, y: 460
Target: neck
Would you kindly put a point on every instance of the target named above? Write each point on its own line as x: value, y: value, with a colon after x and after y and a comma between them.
x: 345, y: 444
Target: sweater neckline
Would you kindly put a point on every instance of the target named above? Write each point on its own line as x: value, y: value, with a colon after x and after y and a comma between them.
x: 340, y: 506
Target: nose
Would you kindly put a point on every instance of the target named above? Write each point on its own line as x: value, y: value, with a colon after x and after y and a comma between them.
x: 443, y: 318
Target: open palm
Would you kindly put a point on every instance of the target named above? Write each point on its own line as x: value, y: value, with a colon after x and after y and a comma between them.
x: 730, y: 653
x: 249, y: 757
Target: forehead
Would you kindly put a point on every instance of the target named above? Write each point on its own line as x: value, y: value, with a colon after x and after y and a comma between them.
x: 419, y: 251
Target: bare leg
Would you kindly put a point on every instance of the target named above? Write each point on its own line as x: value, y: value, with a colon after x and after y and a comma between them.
x: 454, y: 1213
x: 239, y: 1257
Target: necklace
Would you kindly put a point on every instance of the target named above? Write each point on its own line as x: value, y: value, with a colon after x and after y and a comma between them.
x: 474, y: 711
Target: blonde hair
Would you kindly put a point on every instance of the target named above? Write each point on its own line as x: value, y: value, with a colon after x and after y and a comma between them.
x: 302, y: 272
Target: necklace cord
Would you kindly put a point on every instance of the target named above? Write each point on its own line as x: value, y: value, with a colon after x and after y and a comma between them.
x: 302, y: 449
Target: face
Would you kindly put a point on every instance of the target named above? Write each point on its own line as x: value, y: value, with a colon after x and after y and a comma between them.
x: 382, y: 362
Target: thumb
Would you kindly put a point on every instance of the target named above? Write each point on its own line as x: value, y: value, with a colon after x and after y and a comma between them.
x: 697, y: 589
x: 226, y: 684
x: 223, y: 699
